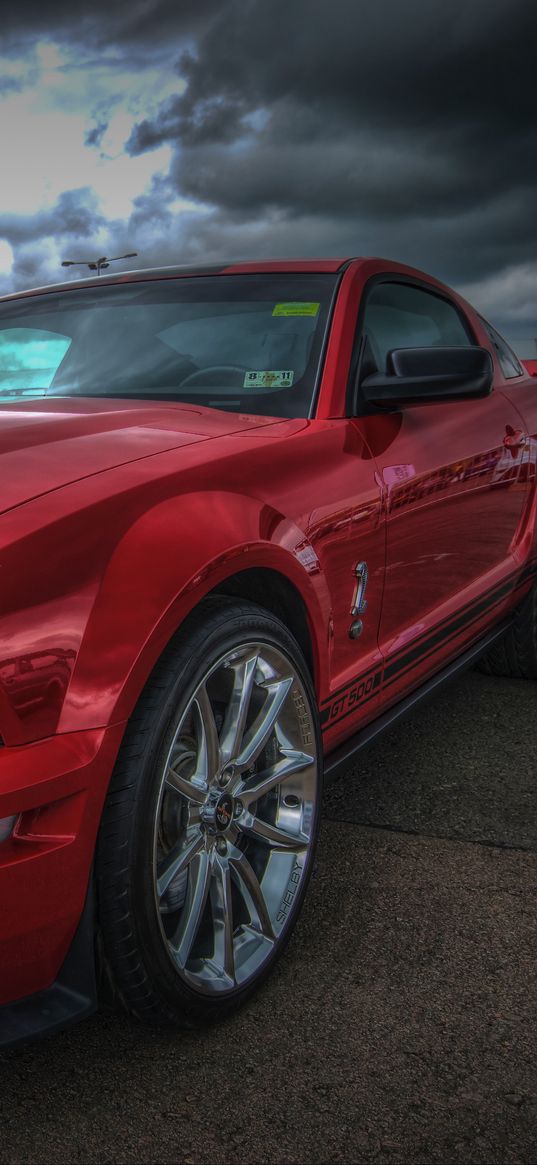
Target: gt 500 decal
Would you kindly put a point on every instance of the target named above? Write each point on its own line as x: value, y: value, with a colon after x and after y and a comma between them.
x: 351, y: 698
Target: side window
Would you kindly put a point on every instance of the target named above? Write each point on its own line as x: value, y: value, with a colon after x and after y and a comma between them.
x: 509, y: 363
x: 398, y: 315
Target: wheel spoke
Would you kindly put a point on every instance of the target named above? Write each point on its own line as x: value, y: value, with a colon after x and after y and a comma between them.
x: 274, y: 835
x: 222, y: 907
x: 250, y: 890
x: 258, y: 734
x: 188, y: 787
x: 196, y: 897
x: 176, y: 861
x: 208, y: 758
x: 236, y: 813
x: 237, y: 709
x: 267, y: 780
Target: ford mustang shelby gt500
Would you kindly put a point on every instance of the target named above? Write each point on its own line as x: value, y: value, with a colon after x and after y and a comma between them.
x: 249, y: 516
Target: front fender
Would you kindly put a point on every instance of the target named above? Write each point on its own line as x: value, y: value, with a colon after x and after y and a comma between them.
x: 163, y: 566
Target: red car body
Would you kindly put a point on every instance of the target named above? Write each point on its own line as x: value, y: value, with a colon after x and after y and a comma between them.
x: 118, y: 517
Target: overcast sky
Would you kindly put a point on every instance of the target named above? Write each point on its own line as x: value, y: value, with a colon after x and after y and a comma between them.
x: 228, y: 129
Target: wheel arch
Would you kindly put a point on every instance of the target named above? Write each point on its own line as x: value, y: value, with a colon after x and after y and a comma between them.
x: 141, y: 612
x: 275, y: 592
x: 268, y: 586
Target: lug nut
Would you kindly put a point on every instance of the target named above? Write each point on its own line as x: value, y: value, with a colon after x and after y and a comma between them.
x: 221, y: 845
x: 238, y: 808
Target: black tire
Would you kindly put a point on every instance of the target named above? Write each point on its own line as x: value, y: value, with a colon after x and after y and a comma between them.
x: 516, y: 653
x: 137, y: 939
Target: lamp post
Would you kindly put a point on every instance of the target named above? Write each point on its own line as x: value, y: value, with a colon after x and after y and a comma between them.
x: 97, y: 265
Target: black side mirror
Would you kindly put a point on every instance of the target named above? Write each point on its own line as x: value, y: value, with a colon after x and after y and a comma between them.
x: 428, y: 375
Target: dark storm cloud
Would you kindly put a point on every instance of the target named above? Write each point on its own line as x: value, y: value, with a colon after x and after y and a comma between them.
x: 40, y: 241
x: 105, y: 23
x: 219, y: 120
x: 74, y: 216
x: 399, y: 127
x: 402, y: 121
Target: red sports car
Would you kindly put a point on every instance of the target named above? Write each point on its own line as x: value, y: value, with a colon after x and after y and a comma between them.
x: 249, y: 516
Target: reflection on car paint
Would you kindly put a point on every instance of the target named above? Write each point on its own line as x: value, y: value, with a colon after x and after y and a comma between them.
x: 36, y: 679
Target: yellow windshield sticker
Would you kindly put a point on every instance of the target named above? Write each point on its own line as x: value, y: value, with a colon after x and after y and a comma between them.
x: 268, y: 379
x: 296, y: 309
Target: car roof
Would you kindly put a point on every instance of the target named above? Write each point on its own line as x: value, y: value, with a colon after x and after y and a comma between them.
x: 297, y: 266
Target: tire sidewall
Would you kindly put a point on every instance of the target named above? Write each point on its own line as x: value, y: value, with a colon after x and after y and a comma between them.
x: 188, y: 660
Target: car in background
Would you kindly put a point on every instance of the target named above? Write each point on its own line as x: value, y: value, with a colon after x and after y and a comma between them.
x: 250, y: 515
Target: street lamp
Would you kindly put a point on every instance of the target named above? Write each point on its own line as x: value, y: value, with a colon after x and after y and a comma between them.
x: 97, y: 265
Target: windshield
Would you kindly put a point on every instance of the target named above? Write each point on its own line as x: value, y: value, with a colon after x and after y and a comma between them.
x: 249, y: 343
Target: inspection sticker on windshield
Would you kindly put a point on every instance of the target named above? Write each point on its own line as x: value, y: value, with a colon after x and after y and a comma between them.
x: 296, y: 309
x: 268, y: 379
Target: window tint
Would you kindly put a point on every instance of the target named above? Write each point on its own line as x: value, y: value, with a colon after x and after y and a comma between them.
x: 398, y: 315
x: 509, y: 363
x: 245, y: 343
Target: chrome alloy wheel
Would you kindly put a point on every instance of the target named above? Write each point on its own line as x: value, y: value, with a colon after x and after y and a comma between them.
x: 235, y: 821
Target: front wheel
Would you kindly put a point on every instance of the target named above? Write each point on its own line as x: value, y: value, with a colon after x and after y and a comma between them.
x: 210, y: 825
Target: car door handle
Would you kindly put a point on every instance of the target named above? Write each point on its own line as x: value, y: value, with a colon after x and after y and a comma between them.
x: 359, y: 602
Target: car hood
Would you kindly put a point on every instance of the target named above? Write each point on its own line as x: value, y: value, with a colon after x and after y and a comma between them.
x: 48, y: 443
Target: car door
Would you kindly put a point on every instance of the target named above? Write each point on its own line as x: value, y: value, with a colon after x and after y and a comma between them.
x: 346, y: 531
x: 451, y: 515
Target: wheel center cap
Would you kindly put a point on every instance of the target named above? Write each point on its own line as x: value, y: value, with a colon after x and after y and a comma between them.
x: 223, y: 814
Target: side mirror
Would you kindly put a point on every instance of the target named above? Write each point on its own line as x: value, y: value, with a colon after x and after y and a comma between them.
x: 428, y: 375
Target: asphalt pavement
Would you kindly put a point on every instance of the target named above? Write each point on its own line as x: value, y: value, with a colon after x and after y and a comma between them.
x: 401, y: 1025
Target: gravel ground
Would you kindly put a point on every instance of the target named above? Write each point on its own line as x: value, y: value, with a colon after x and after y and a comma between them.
x: 401, y: 1026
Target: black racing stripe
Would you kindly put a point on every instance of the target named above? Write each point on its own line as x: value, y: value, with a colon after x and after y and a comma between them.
x: 394, y: 672
x: 528, y: 572
x: 451, y: 624
x: 479, y: 608
x: 466, y: 609
x: 352, y: 683
x: 444, y: 632
x: 447, y: 632
x: 327, y: 722
x: 356, y: 707
x: 399, y: 675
